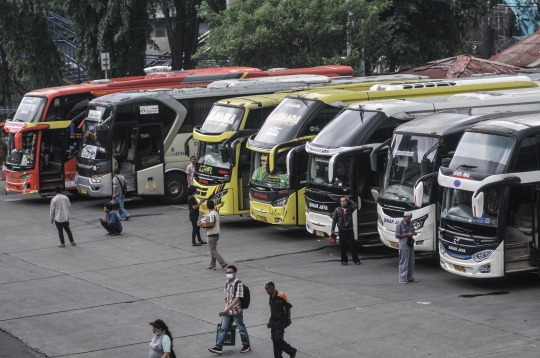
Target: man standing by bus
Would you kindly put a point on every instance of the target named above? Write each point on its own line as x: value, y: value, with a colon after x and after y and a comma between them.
x: 60, y: 215
x: 119, y: 186
x: 344, y: 220
x: 404, y: 234
x: 190, y: 170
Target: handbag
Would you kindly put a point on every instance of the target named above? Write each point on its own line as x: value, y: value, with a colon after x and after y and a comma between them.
x: 122, y: 187
x: 332, y: 240
x: 410, y: 241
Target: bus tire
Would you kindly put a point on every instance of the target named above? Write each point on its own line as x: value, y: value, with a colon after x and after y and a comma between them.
x: 175, y: 188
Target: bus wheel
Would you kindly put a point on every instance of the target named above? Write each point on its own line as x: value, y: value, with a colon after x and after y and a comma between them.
x: 175, y: 189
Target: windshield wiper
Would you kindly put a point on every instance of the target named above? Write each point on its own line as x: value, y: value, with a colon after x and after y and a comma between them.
x: 302, y: 99
x: 467, y: 166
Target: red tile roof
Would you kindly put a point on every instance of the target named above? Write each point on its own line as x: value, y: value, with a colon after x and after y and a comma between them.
x: 524, y: 53
x: 461, y: 66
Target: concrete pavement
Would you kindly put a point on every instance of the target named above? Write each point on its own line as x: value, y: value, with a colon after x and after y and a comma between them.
x: 96, y: 299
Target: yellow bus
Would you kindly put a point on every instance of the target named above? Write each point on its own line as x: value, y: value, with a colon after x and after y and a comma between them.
x: 222, y: 171
x: 279, y: 161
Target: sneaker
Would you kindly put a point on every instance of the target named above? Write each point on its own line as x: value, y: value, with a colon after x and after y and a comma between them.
x: 215, y: 350
x: 245, y: 349
x: 211, y: 268
x: 62, y: 245
x: 224, y: 267
x: 126, y: 218
x: 73, y: 243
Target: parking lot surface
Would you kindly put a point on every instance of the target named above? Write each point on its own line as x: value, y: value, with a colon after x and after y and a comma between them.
x: 96, y: 299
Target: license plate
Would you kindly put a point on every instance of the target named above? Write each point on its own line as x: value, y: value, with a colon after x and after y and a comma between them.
x: 83, y: 191
x: 319, y: 233
x: 459, y: 268
x: 394, y: 245
x: 261, y: 218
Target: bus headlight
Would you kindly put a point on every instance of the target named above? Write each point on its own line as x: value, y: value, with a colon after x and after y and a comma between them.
x: 442, y: 249
x: 419, y: 223
x: 482, y: 255
x: 96, y: 178
x: 25, y: 177
x: 280, y: 202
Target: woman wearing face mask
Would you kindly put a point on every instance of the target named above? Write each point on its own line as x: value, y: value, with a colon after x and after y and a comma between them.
x: 161, y: 345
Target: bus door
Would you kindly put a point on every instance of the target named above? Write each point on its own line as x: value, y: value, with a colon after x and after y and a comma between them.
x: 297, y: 162
x: 362, y: 181
x: 149, y: 160
x: 52, y: 159
x: 244, y: 163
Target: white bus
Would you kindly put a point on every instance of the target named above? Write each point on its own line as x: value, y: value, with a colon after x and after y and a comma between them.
x: 490, y: 202
x: 421, y: 146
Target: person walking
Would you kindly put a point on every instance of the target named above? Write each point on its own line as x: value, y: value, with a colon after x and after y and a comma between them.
x: 193, y: 207
x: 343, y: 218
x: 119, y: 186
x: 212, y: 236
x: 111, y: 222
x: 404, y: 234
x: 60, y: 215
x: 280, y: 318
x: 234, y: 291
x: 161, y: 345
x: 190, y: 169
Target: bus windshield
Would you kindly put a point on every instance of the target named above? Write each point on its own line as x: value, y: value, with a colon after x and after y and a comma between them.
x: 285, y: 122
x: 26, y: 157
x: 404, y: 166
x: 457, y: 207
x: 482, y: 153
x: 222, y: 119
x: 209, y: 160
x: 94, y: 140
x: 318, y: 167
x: 357, y: 124
x: 30, y: 109
x: 260, y: 175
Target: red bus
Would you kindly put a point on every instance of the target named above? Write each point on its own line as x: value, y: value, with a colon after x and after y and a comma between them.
x: 44, y: 135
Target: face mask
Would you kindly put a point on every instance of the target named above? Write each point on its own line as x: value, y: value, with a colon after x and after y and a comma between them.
x: 230, y: 276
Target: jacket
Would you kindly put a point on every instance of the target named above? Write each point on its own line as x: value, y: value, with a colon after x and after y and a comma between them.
x: 347, y: 221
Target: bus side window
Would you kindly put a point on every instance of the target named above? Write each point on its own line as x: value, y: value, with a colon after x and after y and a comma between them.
x: 62, y: 106
x: 321, y: 120
x: 126, y: 113
x: 450, y: 144
x: 384, y: 131
x: 256, y: 117
x: 527, y: 159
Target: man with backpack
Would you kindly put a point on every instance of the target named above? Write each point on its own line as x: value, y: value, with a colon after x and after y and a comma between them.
x: 236, y: 299
x: 119, y: 192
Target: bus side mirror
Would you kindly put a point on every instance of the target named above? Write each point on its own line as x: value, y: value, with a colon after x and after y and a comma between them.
x: 478, y: 205
x: 375, y: 193
x: 425, y: 166
x: 419, y: 194
x: 224, y: 154
x: 18, y: 141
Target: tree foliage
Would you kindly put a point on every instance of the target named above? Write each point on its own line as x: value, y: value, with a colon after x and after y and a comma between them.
x: 26, y: 46
x: 426, y: 30
x: 120, y: 27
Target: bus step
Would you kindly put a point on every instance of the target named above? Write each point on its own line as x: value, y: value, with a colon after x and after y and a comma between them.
x: 514, y: 245
x: 519, y: 266
x: 52, y: 180
x: 516, y: 258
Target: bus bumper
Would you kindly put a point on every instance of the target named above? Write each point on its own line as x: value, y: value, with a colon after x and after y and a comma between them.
x: 489, y: 268
x: 266, y: 213
x: 94, y: 189
x: 21, y: 183
x: 424, y: 241
x: 318, y: 224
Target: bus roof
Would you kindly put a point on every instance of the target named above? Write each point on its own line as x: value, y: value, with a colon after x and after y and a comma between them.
x: 440, y: 124
x: 519, y: 126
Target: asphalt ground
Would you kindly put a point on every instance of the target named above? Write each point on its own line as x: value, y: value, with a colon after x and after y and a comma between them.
x: 96, y: 299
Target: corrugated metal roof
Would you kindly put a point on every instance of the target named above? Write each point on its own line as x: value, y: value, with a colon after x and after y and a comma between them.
x: 525, y: 53
x: 462, y: 66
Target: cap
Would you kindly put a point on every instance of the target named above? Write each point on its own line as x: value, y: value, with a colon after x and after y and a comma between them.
x: 159, y: 324
x: 407, y: 213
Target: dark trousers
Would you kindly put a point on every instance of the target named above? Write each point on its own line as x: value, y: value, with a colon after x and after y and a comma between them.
x: 61, y: 227
x: 346, y: 239
x: 195, y: 230
x: 280, y: 345
x: 111, y: 229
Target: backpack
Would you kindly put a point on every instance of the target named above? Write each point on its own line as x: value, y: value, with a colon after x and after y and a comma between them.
x: 244, y: 301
